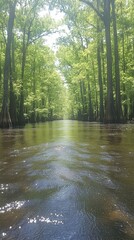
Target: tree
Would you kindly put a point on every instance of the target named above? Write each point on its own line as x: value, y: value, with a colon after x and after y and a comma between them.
x: 32, y: 28
x: 106, y: 18
x: 116, y: 64
x: 5, y: 120
x: 99, y: 60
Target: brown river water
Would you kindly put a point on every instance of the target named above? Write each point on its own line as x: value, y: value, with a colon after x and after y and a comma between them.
x: 67, y: 180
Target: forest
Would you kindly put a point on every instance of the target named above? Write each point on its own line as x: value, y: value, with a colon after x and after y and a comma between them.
x: 88, y: 76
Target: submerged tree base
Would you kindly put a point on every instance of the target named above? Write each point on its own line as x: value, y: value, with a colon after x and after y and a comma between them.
x: 5, y: 120
x: 122, y: 121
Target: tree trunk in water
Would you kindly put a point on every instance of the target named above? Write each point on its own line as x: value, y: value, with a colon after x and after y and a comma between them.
x: 83, y: 100
x: 0, y: 68
x: 90, y: 107
x: 12, y: 106
x: 119, y: 114
x: 124, y: 97
x: 21, y: 107
x: 33, y: 115
x: 5, y: 121
x: 110, y: 111
x: 101, y: 115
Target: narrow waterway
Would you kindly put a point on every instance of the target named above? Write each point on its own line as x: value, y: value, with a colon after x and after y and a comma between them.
x: 67, y: 180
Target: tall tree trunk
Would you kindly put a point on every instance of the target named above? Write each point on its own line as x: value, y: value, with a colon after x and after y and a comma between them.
x: 33, y: 115
x: 12, y: 105
x: 5, y: 121
x: 25, y: 44
x: 90, y: 107
x: 101, y: 109
x: 124, y: 97
x: 21, y: 107
x: 110, y: 110
x: 96, y: 94
x: 0, y: 68
x: 119, y: 115
x: 83, y: 100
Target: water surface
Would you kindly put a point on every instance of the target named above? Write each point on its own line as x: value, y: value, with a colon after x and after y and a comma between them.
x: 67, y: 180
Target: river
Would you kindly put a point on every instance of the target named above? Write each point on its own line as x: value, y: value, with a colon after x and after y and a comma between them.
x: 67, y: 180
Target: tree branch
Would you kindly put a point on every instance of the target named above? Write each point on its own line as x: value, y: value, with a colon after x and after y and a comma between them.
x: 44, y: 34
x: 94, y: 8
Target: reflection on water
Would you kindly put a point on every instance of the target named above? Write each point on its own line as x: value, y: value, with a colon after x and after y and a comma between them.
x: 67, y: 180
x: 48, y: 219
x: 10, y: 206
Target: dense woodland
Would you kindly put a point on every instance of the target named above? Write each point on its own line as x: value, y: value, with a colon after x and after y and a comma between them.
x: 89, y: 75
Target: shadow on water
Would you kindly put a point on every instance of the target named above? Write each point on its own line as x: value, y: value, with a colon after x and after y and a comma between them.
x: 67, y: 180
